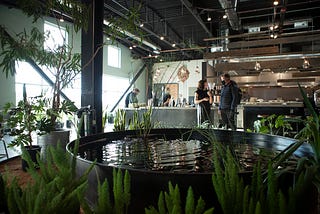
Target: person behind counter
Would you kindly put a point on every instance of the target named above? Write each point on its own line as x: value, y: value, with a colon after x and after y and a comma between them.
x: 228, y: 103
x: 132, y: 97
x: 203, y: 100
x: 166, y: 98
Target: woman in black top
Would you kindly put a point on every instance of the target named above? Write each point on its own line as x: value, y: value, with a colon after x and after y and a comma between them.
x: 203, y: 99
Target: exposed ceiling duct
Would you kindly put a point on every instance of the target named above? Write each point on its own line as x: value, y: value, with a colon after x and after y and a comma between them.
x: 231, y: 13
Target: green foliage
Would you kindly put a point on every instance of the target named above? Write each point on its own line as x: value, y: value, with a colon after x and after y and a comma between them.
x: 272, y: 124
x: 170, y: 202
x: 23, y: 120
x: 120, y: 120
x: 311, y: 134
x: 62, y: 63
x: 3, y: 204
x: 119, y: 26
x: 268, y: 192
x: 57, y: 189
x: 73, y: 8
x: 142, y: 124
x: 120, y: 201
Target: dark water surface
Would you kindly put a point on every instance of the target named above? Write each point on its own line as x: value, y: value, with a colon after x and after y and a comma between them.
x: 172, y: 155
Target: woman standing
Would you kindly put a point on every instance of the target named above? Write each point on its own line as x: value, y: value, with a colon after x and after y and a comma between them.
x: 203, y: 100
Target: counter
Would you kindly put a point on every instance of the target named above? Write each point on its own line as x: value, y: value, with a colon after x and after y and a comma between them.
x: 173, y: 117
x: 252, y: 111
x: 247, y: 113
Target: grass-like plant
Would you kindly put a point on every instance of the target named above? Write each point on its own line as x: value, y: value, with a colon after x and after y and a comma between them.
x: 170, y: 202
x: 112, y: 200
x: 55, y: 186
x: 265, y: 193
x: 120, y: 120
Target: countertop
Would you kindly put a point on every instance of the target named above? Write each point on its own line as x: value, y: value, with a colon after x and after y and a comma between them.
x: 243, y: 104
x: 273, y: 104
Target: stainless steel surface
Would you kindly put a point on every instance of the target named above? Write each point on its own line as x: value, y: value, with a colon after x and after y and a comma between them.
x: 317, y: 98
x: 174, y: 117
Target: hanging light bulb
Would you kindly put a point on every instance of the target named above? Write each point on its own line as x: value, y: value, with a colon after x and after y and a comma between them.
x: 208, y: 18
x: 225, y: 16
x: 257, y: 66
x: 275, y: 2
x: 197, y: 69
x: 305, y: 64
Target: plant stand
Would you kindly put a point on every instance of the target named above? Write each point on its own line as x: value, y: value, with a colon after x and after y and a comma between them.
x: 33, y: 155
x: 53, y: 139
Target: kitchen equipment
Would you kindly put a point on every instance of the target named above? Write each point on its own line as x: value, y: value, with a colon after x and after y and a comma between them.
x: 253, y: 99
x: 316, y: 96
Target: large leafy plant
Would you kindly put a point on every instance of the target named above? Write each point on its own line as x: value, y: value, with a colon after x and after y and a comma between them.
x: 23, y: 120
x: 60, y: 62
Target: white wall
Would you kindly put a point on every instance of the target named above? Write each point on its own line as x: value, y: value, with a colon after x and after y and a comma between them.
x: 129, y: 68
x: 15, y: 22
x: 169, y: 71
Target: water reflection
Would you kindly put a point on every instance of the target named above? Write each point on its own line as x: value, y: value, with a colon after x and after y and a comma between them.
x: 170, y: 155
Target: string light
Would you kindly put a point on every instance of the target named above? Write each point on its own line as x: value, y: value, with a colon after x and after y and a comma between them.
x: 208, y: 18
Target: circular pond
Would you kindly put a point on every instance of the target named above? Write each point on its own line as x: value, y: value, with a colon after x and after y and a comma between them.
x: 182, y: 156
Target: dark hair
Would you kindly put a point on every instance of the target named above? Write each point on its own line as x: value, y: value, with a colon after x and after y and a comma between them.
x: 201, y: 84
x: 136, y: 90
x: 226, y: 76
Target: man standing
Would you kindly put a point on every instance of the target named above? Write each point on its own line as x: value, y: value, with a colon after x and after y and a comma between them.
x: 228, y: 101
x: 132, y: 97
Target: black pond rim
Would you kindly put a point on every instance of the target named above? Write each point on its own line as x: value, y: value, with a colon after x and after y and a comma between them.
x: 174, y: 133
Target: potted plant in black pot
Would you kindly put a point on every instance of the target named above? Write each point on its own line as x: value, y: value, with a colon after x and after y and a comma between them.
x: 23, y: 124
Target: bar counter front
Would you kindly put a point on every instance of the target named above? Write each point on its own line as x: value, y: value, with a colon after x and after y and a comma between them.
x: 247, y: 113
x: 173, y: 117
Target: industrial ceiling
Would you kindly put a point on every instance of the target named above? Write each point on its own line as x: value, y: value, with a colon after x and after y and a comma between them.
x: 190, y: 29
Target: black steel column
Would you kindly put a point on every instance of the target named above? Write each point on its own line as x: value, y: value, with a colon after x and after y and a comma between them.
x: 204, y: 70
x: 92, y: 68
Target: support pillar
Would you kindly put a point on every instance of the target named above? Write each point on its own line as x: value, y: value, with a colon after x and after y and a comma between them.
x: 92, y: 68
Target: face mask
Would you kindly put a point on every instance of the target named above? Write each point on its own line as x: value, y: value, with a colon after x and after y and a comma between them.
x: 223, y: 82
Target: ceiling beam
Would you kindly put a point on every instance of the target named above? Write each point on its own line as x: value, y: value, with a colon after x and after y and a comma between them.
x: 274, y: 65
x: 196, y: 15
x: 243, y: 52
x: 278, y: 41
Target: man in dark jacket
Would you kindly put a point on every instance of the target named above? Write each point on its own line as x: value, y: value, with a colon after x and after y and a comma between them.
x: 132, y: 97
x: 228, y: 101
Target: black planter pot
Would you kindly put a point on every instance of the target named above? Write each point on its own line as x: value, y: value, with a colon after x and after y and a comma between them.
x: 32, y: 152
x: 147, y: 184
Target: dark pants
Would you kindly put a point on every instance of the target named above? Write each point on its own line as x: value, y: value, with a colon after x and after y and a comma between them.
x: 227, y: 117
x: 203, y: 115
